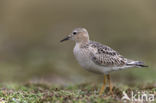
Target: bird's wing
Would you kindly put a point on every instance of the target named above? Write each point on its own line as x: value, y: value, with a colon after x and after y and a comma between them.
x: 105, y: 56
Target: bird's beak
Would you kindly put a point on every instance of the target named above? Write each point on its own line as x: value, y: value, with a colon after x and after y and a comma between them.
x: 67, y: 38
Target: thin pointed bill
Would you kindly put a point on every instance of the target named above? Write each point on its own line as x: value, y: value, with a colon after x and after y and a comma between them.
x: 65, y: 39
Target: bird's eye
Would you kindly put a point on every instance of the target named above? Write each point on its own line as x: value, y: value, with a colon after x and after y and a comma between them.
x: 74, y: 33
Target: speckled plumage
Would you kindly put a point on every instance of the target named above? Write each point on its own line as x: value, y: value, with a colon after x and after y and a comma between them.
x: 105, y: 56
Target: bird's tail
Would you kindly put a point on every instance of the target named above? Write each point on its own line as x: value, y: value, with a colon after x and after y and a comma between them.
x: 136, y: 64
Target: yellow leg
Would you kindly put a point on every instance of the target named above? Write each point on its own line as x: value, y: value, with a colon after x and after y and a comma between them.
x: 103, y: 86
x: 110, y: 84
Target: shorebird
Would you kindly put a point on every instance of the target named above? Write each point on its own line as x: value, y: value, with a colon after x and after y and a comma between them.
x: 98, y: 58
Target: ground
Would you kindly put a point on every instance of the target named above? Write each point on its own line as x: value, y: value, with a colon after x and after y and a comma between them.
x: 80, y: 93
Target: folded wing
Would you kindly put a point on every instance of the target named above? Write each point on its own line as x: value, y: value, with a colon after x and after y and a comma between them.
x: 105, y: 56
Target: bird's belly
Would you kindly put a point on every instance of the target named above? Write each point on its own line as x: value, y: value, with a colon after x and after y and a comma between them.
x: 83, y: 59
x: 89, y: 65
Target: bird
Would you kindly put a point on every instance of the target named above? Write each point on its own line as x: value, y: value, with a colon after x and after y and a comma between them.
x: 98, y: 58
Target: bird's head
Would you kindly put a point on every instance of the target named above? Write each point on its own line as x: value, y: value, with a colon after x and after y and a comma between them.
x: 78, y: 35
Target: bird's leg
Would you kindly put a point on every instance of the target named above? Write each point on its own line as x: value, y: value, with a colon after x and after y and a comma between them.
x: 110, y: 84
x: 103, y: 86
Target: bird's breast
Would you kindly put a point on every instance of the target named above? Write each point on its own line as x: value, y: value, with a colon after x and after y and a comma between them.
x: 82, y: 56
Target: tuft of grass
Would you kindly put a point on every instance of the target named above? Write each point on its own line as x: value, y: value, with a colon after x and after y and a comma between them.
x: 82, y: 93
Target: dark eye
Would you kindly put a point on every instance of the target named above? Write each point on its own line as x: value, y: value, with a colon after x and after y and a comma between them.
x: 74, y: 33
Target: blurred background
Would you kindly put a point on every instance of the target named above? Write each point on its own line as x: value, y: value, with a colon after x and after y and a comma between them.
x: 30, y: 31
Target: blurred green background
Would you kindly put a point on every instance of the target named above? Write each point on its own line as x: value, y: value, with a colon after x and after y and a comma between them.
x: 30, y: 31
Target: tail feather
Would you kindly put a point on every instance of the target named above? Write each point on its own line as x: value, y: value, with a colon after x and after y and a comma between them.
x: 137, y: 64
x: 140, y: 64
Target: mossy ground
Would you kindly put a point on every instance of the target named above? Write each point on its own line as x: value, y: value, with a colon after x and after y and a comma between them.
x: 82, y: 93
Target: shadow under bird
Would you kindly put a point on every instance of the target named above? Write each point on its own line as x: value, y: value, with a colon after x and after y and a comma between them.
x: 98, y: 58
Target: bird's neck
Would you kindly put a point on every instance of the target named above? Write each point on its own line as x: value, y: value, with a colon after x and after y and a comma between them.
x: 82, y: 44
x: 82, y: 41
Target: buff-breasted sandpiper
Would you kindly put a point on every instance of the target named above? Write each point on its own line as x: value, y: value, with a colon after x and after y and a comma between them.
x: 98, y: 58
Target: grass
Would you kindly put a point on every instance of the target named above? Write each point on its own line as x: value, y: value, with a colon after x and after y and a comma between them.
x: 82, y: 93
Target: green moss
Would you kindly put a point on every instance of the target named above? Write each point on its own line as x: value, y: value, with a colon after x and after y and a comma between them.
x: 42, y: 93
